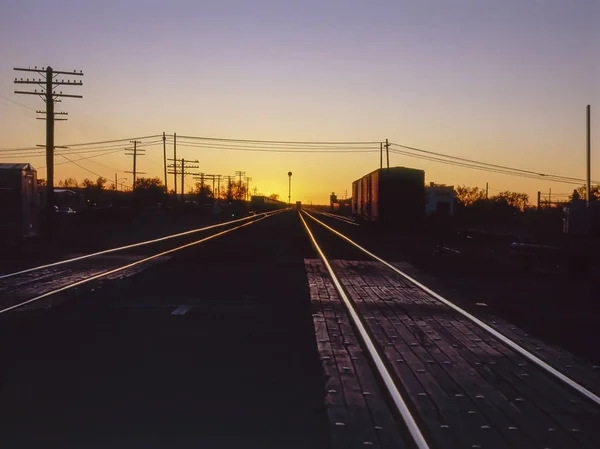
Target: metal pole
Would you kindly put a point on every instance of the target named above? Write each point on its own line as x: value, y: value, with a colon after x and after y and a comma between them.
x: 49, y: 150
x: 165, y: 159
x: 589, y: 157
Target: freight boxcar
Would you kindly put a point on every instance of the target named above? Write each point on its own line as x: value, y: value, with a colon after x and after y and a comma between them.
x: 19, y: 202
x: 390, y: 196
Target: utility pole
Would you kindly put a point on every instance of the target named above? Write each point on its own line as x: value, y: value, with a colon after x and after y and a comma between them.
x: 550, y: 195
x: 185, y: 165
x: 248, y: 179
x: 229, y: 189
x: 380, y: 155
x: 589, y: 157
x: 387, y: 152
x: 182, y: 179
x: 116, y: 188
x: 135, y: 156
x: 240, y: 174
x: 538, y: 199
x: 486, y: 190
x: 165, y: 161
x: 48, y: 83
x: 175, y: 164
x: 218, y: 187
x: 290, y: 189
x: 203, y: 176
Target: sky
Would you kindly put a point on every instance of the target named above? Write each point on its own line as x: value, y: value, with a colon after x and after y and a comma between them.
x: 504, y: 81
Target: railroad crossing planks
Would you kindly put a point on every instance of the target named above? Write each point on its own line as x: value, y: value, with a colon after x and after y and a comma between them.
x: 467, y: 389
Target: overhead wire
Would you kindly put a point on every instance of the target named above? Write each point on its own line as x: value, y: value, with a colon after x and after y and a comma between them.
x: 487, y: 164
x: 91, y: 146
x: 9, y: 100
x: 284, y: 142
x: 486, y: 169
x: 82, y: 167
x: 275, y: 150
x: 107, y: 147
x: 82, y: 158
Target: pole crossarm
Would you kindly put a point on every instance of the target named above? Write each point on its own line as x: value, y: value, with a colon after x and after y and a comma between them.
x: 47, y: 92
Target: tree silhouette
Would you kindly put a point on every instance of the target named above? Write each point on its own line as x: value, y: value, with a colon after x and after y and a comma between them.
x: 469, y: 195
x: 517, y: 200
x: 68, y: 182
x: 582, y: 191
x: 204, y: 192
x: 91, y: 185
x: 236, y: 190
x: 149, y: 190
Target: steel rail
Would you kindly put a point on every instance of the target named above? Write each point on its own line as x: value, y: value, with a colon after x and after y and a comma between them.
x: 124, y: 267
x: 121, y: 248
x: 503, y: 338
x: 390, y: 385
x: 339, y: 218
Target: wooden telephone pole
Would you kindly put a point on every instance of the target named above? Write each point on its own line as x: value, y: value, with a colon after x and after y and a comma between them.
x: 135, y: 153
x: 47, y: 92
x: 185, y: 166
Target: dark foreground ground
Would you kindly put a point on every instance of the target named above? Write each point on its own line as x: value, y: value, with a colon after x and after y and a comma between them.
x: 215, y: 346
x: 115, y: 367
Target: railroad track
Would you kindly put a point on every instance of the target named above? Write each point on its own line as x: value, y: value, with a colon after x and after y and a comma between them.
x: 28, y: 287
x: 409, y: 368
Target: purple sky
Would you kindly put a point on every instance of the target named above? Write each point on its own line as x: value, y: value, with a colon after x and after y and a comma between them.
x: 501, y: 81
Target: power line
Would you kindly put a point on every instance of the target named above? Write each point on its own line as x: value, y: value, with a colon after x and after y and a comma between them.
x: 17, y: 103
x: 128, y: 139
x: 78, y: 150
x: 475, y: 167
x: 274, y: 150
x: 285, y: 142
x: 503, y: 168
x: 88, y: 157
x: 82, y: 167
